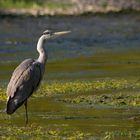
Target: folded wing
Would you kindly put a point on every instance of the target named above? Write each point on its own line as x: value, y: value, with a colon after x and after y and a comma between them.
x: 24, y: 81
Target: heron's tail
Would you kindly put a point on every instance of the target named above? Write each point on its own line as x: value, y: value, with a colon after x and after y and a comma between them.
x: 12, y: 105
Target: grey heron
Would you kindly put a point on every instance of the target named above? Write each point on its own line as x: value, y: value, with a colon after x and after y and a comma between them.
x: 27, y: 76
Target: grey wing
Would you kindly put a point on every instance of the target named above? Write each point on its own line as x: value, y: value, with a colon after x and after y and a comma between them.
x: 11, y: 88
x: 24, y: 81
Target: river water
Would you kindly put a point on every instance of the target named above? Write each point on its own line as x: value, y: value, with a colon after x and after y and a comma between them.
x: 99, y: 46
x: 99, y: 37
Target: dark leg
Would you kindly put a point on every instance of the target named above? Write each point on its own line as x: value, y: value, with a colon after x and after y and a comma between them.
x: 26, y: 111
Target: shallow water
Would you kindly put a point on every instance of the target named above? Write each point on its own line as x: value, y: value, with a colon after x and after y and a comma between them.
x: 96, y: 120
x: 99, y: 43
x: 99, y: 47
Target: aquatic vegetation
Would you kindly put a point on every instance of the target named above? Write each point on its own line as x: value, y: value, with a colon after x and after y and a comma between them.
x: 118, y: 97
x: 72, y: 87
x: 34, y: 131
x: 2, y: 94
x: 37, y: 132
x: 115, y: 100
x: 56, y: 87
x: 119, y: 134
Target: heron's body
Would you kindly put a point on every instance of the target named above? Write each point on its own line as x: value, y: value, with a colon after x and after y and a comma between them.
x: 24, y: 81
x: 27, y: 76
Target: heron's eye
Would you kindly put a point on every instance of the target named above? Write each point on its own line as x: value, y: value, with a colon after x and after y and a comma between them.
x: 46, y: 33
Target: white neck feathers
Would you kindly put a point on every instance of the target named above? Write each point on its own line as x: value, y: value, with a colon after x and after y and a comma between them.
x: 41, y: 50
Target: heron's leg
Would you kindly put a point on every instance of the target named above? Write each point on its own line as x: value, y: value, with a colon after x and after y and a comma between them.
x: 25, y: 103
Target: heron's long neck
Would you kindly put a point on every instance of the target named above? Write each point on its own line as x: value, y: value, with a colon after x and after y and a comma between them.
x: 41, y: 50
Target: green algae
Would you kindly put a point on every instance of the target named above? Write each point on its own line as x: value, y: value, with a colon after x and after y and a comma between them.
x: 117, y: 100
x: 2, y: 94
x: 56, y: 87
x: 37, y: 132
x: 114, y: 135
x: 72, y: 87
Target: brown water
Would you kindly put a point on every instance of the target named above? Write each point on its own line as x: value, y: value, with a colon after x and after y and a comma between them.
x: 98, y: 47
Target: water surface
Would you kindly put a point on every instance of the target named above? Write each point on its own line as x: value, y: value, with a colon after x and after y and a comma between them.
x: 99, y: 47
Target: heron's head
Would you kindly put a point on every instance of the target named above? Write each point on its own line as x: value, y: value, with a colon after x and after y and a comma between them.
x: 49, y: 34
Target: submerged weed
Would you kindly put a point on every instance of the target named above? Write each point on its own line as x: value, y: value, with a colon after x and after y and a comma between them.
x: 37, y: 132
x: 117, y: 100
x: 56, y: 87
x: 118, y: 134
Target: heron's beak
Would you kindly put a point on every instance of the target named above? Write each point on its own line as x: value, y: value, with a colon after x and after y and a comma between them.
x: 61, y: 33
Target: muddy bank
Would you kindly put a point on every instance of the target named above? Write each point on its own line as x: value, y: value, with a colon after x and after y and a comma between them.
x: 72, y: 7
